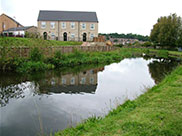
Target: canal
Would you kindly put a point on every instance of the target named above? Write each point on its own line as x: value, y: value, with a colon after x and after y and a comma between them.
x: 54, y: 100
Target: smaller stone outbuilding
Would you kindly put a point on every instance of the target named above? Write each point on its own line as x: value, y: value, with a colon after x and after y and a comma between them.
x: 20, y: 31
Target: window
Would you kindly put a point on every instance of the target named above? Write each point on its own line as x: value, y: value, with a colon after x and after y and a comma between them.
x: 53, y: 82
x: 63, y: 81
x: 4, y: 26
x: 72, y: 82
x: 52, y: 35
x: 63, y: 24
x: 92, y: 26
x: 72, y: 35
x: 43, y: 24
x: 91, y: 36
x: 72, y: 25
x: 91, y: 80
x: 83, y: 26
x: 52, y: 25
x: 83, y: 80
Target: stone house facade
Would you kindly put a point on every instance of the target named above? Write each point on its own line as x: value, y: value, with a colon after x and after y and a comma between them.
x: 68, y: 25
x: 7, y: 22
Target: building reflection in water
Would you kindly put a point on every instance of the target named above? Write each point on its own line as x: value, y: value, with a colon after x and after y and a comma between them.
x: 85, y: 81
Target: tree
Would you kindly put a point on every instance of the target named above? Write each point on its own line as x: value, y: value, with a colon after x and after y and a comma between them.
x: 167, y: 31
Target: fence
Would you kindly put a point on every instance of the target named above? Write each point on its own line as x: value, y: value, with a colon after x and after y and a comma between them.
x: 50, y: 51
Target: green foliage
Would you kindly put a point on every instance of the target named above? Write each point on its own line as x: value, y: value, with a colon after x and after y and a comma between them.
x: 127, y: 36
x: 163, y: 53
x: 36, y: 55
x: 33, y: 42
x: 31, y: 35
x: 116, y: 40
x: 147, y: 44
x: 58, y: 55
x: 74, y: 59
x: 31, y: 66
x: 119, y: 45
x: 167, y: 31
x: 158, y: 112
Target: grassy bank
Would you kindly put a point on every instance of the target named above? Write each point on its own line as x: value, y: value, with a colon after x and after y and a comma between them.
x: 38, y: 62
x: 32, y: 42
x: 156, y: 113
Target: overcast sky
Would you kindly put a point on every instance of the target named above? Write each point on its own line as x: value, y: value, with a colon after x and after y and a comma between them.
x: 121, y: 16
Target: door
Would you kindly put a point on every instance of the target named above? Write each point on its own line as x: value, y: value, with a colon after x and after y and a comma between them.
x: 45, y: 35
x: 65, y: 36
x: 84, y: 37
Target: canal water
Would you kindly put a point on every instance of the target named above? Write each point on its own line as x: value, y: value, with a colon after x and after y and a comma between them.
x: 51, y: 101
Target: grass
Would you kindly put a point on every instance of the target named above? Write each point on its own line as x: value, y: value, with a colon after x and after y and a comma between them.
x: 156, y: 113
x: 38, y: 62
x: 30, y: 42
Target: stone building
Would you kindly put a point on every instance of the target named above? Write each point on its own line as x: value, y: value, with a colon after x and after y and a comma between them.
x: 68, y: 25
x: 7, y: 22
x: 20, y: 31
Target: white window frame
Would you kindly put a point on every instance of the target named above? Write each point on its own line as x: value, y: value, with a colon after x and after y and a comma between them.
x: 92, y: 35
x: 52, y: 25
x: 43, y: 25
x: 72, y: 25
x: 91, y: 80
x: 63, y: 25
x: 91, y: 26
x: 53, y: 35
x: 72, y: 35
x: 83, y: 80
x: 72, y: 81
x: 63, y: 81
x: 83, y: 24
x: 4, y: 26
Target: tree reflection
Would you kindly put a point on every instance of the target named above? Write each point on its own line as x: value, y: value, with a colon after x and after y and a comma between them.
x: 13, y: 86
x: 161, y: 67
x: 12, y: 91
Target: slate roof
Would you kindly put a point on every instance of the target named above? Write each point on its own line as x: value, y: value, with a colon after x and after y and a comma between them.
x: 48, y: 15
x: 18, y: 28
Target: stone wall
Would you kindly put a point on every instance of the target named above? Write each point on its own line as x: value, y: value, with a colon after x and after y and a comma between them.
x: 10, y: 52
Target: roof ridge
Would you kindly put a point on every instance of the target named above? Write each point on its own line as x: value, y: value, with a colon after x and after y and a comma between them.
x: 68, y: 11
x: 11, y: 19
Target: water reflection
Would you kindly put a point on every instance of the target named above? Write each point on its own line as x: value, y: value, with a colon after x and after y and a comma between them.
x: 47, y: 102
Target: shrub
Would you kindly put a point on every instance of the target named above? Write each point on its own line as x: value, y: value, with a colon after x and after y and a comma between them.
x: 36, y: 55
x: 28, y: 67
x: 58, y: 55
x: 147, y: 44
x: 119, y: 45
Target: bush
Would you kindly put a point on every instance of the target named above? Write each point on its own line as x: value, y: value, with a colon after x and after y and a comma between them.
x: 147, y: 44
x: 30, y: 66
x: 31, y: 35
x: 36, y: 55
x: 58, y: 55
x: 119, y: 45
